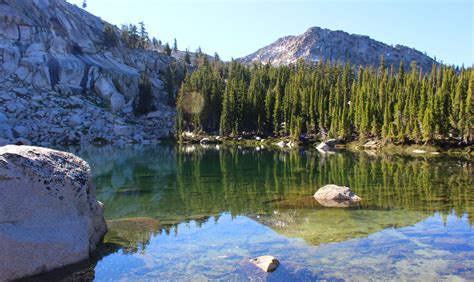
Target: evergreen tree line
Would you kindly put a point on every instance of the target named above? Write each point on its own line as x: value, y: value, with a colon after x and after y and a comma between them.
x: 133, y: 36
x: 329, y: 100
x: 171, y: 77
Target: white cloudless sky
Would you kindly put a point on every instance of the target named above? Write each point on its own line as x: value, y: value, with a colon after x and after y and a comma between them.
x: 235, y: 28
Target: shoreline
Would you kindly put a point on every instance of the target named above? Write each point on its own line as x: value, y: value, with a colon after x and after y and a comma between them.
x: 370, y: 146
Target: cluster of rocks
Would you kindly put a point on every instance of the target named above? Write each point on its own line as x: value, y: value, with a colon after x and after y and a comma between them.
x: 60, y: 84
x: 330, y: 195
x: 29, y: 117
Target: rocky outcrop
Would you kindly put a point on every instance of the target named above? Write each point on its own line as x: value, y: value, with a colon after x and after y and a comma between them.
x: 49, y: 216
x: 60, y: 84
x: 336, y: 196
x: 318, y: 44
x: 266, y: 263
x: 328, y: 145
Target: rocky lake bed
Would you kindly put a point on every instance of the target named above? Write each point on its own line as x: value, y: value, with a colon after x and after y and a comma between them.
x: 204, y: 213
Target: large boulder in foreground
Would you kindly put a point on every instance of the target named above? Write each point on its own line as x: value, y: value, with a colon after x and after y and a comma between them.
x: 336, y: 196
x: 49, y: 216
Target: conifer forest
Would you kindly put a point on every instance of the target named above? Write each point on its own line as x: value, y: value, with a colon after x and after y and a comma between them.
x: 329, y: 100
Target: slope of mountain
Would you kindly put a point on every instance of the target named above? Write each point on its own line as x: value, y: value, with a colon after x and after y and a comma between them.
x: 318, y: 44
x: 59, y: 83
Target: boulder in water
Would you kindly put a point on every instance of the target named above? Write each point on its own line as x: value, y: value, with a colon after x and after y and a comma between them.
x: 49, y: 216
x: 336, y: 196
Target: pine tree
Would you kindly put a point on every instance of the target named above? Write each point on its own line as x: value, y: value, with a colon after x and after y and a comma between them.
x: 227, y: 112
x: 143, y: 40
x: 469, y: 111
x: 167, y: 49
x: 133, y: 36
x: 144, y: 101
x: 110, y: 38
x: 125, y: 35
x: 277, y: 111
x: 187, y: 57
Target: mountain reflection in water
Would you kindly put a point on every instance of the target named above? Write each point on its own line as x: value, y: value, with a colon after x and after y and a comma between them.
x: 194, y: 213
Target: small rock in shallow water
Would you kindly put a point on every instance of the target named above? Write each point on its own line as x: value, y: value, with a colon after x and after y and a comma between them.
x: 131, y: 233
x: 266, y: 263
x: 336, y: 196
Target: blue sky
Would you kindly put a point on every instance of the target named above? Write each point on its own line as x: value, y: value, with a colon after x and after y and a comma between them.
x: 236, y: 28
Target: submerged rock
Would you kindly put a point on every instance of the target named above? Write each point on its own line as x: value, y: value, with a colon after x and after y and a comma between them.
x: 266, y: 263
x: 318, y: 226
x: 49, y: 216
x: 131, y: 233
x: 336, y: 196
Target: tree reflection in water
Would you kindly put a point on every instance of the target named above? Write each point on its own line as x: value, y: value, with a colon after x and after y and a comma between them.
x: 150, y: 191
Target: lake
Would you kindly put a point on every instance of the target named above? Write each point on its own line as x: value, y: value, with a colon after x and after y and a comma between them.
x: 193, y: 213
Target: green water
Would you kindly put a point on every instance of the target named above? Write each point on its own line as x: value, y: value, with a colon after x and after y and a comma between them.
x: 189, y: 213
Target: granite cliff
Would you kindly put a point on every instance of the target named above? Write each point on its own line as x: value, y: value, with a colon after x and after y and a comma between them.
x: 59, y: 83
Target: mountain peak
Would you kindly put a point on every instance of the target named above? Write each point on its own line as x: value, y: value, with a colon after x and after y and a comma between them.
x: 321, y: 44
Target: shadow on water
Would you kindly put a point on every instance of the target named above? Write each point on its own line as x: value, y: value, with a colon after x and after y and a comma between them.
x: 81, y: 271
x: 152, y: 192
